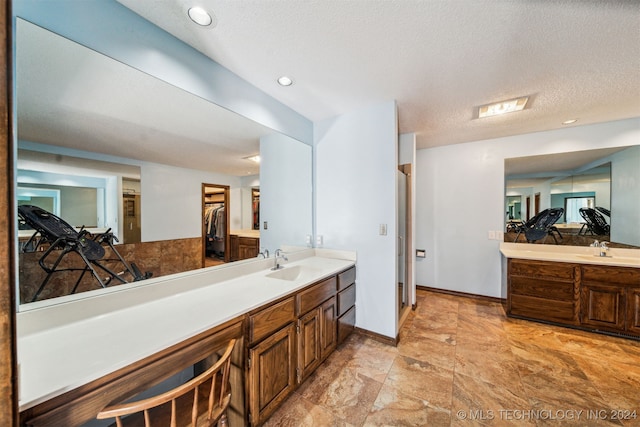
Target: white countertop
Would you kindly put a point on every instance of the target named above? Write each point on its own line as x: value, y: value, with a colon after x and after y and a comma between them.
x: 575, y: 254
x: 76, y: 341
x: 246, y: 233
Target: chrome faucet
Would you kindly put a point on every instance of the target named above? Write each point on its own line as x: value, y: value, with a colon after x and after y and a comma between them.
x: 277, y: 255
x: 265, y: 253
x: 604, y: 249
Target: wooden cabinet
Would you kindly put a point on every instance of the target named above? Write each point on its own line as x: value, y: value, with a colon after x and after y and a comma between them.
x: 290, y: 338
x: 272, y: 357
x: 592, y: 297
x: 543, y: 290
x: 610, y: 299
x: 328, y: 331
x: 346, y: 303
x: 317, y: 334
x: 633, y: 311
x: 243, y: 247
x: 271, y: 373
x: 308, y: 344
x: 603, y: 306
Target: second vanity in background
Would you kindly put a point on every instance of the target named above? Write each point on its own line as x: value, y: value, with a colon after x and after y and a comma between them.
x: 245, y: 244
x: 573, y: 287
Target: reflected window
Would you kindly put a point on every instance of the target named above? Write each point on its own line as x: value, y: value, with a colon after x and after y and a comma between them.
x: 573, y: 205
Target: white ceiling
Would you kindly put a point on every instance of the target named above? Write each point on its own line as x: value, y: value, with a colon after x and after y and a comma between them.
x: 439, y: 59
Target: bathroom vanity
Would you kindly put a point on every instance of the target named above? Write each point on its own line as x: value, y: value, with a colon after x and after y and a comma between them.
x: 109, y: 347
x: 572, y: 286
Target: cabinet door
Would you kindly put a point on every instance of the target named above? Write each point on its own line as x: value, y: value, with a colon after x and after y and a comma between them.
x: 328, y: 327
x: 248, y: 247
x: 603, y: 306
x: 271, y: 373
x: 633, y: 311
x: 308, y: 344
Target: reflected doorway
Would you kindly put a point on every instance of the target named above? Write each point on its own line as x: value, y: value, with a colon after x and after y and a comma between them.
x: 215, y: 224
x: 132, y: 232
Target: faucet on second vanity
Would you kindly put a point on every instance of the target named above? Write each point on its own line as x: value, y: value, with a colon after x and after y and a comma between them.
x: 604, y: 249
x: 278, y: 254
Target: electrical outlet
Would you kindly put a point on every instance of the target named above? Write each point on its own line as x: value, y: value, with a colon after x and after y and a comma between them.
x: 265, y: 225
x: 491, y: 235
x: 319, y: 240
x: 308, y: 239
x: 383, y: 229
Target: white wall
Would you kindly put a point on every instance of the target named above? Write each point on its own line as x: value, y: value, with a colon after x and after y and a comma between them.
x: 171, y: 200
x: 286, y: 191
x: 460, y: 197
x: 355, y: 174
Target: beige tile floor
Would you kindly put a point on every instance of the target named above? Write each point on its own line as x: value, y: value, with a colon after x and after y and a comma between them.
x: 462, y: 362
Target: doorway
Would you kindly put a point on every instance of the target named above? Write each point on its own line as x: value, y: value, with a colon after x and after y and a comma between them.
x: 404, y: 265
x: 215, y: 224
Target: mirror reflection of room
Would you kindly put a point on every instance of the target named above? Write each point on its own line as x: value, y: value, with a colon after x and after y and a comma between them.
x: 573, y: 204
x: 154, y: 220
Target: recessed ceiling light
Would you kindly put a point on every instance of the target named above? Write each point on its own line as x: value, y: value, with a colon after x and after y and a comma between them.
x: 502, y: 107
x: 200, y: 16
x: 285, y: 81
x: 569, y: 122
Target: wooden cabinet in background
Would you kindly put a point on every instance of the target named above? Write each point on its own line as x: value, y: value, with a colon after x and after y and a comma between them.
x: 593, y: 297
x: 609, y: 298
x: 633, y: 310
x: 243, y: 247
x: 543, y: 290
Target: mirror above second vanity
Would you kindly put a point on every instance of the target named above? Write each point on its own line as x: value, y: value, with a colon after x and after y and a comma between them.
x: 84, y: 117
x: 604, y: 180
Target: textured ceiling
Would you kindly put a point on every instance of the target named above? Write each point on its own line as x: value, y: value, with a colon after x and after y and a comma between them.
x: 439, y: 59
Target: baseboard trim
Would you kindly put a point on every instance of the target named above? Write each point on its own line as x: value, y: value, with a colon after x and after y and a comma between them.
x: 379, y: 337
x: 462, y: 294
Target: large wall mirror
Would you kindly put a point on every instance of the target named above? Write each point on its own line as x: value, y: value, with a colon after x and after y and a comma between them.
x: 596, y: 190
x: 91, y: 130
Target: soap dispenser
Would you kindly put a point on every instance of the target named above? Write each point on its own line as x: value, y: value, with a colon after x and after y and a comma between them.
x: 596, y: 248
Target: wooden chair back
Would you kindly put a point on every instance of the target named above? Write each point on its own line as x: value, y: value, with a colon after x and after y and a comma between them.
x: 202, y: 401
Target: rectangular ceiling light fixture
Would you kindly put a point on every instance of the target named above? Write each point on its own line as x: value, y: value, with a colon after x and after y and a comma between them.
x: 502, y: 107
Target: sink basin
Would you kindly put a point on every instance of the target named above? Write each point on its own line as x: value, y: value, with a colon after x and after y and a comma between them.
x: 291, y: 273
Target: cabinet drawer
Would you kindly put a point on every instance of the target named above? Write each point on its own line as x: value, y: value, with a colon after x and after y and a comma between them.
x: 618, y: 275
x: 563, y: 291
x: 543, y: 309
x: 346, y: 278
x: 346, y: 299
x: 270, y: 319
x: 556, y: 271
x: 312, y: 297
